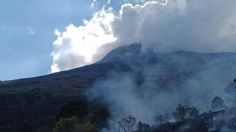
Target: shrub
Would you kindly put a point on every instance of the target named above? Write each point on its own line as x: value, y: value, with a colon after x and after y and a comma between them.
x: 89, y: 127
x: 67, y: 125
x: 74, y: 125
x: 74, y: 108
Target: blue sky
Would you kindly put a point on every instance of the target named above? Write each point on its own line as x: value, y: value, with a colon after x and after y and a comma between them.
x: 27, y: 33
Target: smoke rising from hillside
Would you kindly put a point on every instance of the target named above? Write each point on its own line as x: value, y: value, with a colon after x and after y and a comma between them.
x: 184, y: 79
x: 191, y: 25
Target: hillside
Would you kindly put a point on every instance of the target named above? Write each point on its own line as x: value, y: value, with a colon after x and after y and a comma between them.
x: 36, y: 102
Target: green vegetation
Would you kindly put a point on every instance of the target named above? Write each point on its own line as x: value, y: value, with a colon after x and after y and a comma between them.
x: 73, y: 124
x: 67, y: 125
x: 90, y: 127
x: 77, y: 108
x: 80, y: 116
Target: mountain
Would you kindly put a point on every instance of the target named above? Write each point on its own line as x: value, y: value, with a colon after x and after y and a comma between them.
x: 36, y: 102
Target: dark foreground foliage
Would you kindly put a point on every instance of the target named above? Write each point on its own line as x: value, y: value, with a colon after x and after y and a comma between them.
x: 81, y: 116
x: 78, y: 117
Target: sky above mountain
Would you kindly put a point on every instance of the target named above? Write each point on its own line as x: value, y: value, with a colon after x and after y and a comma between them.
x: 27, y: 33
x: 40, y: 37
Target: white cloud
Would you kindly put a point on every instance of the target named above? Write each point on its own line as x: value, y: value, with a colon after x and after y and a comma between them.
x: 192, y: 25
x: 76, y: 46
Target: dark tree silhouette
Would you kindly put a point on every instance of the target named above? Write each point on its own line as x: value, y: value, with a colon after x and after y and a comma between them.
x: 127, y: 123
x: 183, y: 112
x: 163, y: 118
x: 217, y: 104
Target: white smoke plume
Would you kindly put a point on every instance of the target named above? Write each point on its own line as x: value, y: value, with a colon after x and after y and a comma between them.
x: 153, y: 97
x: 191, y: 25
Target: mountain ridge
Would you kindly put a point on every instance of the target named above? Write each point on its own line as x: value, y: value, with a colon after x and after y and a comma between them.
x: 51, y: 91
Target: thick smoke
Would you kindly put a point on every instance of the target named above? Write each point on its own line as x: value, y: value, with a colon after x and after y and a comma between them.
x: 182, y: 80
x: 193, y: 25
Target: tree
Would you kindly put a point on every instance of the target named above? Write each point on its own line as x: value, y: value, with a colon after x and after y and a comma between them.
x: 180, y: 112
x: 143, y: 127
x: 161, y: 118
x: 77, y: 108
x: 90, y: 127
x: 100, y: 117
x: 67, y: 125
x: 127, y: 123
x: 192, y: 112
x: 183, y: 112
x: 73, y: 124
x: 217, y: 104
